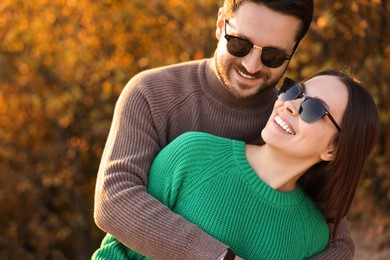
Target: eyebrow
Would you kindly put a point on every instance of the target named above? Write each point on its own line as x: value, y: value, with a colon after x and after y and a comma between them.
x: 239, y: 35
x: 235, y: 33
x: 303, y: 86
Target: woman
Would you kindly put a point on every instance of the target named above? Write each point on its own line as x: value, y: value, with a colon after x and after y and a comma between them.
x: 261, y: 200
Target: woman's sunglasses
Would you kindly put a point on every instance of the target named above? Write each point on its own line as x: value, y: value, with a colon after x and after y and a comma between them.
x: 311, y: 109
x: 270, y: 56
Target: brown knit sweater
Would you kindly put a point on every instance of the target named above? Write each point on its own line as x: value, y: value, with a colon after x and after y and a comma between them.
x: 155, y: 107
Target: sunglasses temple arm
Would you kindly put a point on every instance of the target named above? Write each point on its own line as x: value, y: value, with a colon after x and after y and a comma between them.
x: 334, y: 121
x: 294, y: 49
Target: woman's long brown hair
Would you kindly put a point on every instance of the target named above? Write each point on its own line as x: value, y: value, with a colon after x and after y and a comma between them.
x: 333, y: 184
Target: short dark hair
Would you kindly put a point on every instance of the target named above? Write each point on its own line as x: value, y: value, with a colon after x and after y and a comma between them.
x: 303, y: 10
x: 333, y: 184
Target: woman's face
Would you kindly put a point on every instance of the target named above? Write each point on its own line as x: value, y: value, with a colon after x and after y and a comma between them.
x: 289, y: 133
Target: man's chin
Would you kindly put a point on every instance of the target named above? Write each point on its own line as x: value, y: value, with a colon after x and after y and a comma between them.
x: 242, y: 93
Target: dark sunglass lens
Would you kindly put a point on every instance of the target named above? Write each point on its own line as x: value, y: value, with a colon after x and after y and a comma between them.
x: 289, y: 91
x: 272, y: 57
x: 311, y: 110
x: 238, y: 47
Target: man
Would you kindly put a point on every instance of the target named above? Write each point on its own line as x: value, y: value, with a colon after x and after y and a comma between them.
x: 229, y: 95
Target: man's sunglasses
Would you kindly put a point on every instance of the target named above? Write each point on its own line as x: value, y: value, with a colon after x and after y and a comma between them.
x: 311, y: 109
x: 270, y: 56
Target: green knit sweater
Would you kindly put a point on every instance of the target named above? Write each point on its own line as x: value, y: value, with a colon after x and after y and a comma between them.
x: 208, y: 180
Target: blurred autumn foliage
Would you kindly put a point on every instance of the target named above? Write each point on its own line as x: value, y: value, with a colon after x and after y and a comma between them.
x: 63, y: 64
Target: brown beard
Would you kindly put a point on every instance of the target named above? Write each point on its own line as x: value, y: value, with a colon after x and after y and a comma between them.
x: 224, y: 77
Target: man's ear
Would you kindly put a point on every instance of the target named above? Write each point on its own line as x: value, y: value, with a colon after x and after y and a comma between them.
x: 328, y: 155
x: 220, y: 24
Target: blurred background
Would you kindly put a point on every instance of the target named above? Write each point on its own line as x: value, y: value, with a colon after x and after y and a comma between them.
x: 63, y: 64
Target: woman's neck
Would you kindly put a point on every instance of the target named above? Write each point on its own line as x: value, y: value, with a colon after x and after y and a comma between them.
x: 280, y: 171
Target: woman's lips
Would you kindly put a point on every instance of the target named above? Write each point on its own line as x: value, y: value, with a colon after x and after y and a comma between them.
x: 284, y: 125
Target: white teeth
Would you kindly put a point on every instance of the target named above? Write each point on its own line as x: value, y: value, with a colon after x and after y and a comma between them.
x: 284, y: 125
x: 245, y: 75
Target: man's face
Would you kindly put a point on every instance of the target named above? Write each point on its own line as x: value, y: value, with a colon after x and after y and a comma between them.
x: 247, y: 76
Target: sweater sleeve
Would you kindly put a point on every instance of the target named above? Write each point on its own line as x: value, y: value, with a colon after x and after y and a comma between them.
x: 123, y: 207
x: 342, y: 248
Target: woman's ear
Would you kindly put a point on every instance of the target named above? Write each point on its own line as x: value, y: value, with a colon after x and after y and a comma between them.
x: 220, y: 24
x: 328, y: 155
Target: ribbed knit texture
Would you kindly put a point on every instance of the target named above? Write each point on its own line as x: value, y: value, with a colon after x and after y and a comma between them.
x: 155, y: 107
x: 208, y: 180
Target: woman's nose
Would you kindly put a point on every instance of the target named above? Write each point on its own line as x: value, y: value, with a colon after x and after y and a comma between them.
x: 292, y: 106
